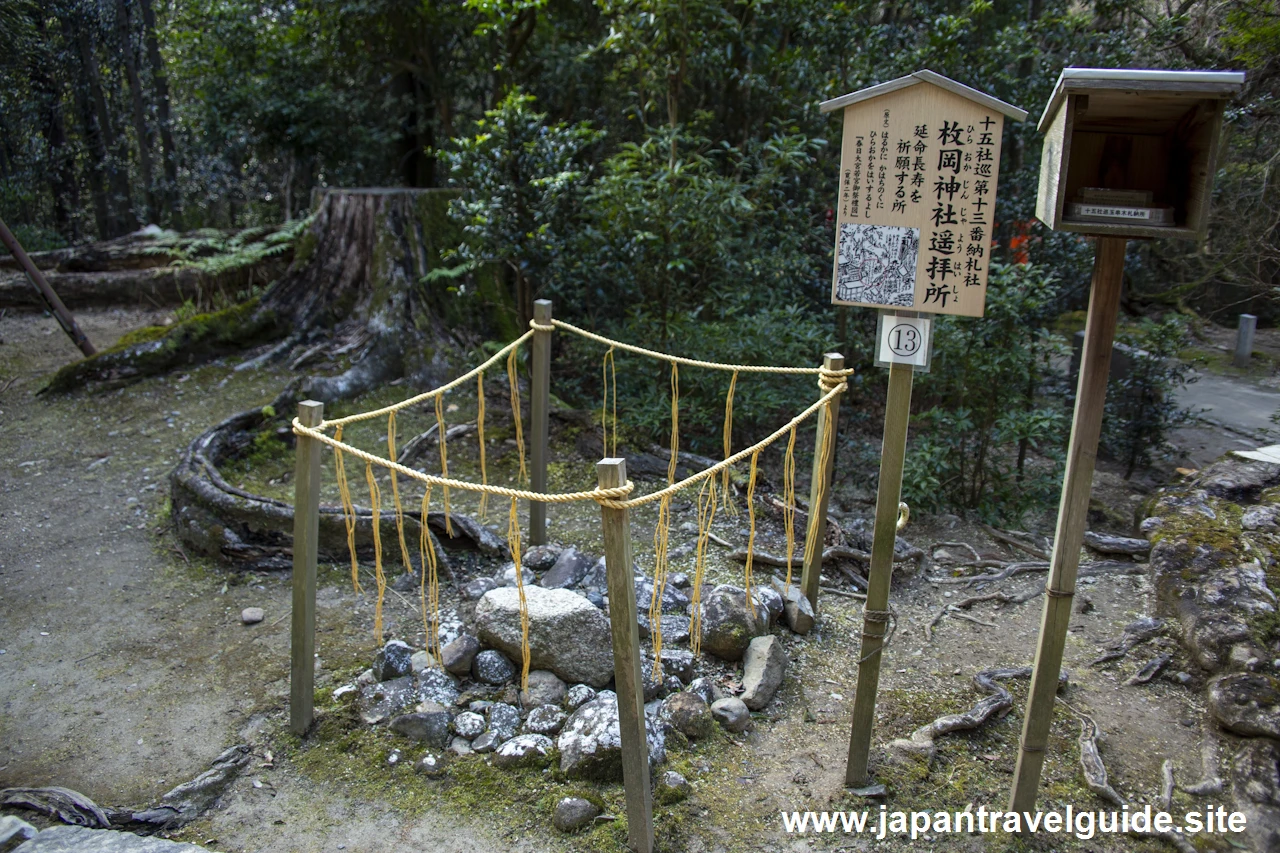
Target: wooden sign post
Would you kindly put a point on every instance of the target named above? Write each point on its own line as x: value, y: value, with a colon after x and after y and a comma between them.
x: 919, y: 165
x: 1127, y: 154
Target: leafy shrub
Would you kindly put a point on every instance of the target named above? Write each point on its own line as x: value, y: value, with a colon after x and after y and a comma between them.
x: 1140, y: 409
x: 987, y: 439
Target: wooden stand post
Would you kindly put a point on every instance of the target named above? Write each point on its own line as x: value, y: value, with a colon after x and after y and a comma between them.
x: 820, y: 488
x: 893, y: 451
x: 56, y: 308
x: 539, y: 407
x: 1086, y: 426
x: 306, y: 534
x: 626, y: 660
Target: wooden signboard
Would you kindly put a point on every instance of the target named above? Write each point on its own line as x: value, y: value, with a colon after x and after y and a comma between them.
x: 919, y: 166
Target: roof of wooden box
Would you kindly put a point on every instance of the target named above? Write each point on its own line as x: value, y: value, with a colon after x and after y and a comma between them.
x: 925, y: 76
x: 1135, y: 81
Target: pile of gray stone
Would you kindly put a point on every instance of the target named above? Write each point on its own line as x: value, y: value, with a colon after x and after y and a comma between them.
x: 470, y: 701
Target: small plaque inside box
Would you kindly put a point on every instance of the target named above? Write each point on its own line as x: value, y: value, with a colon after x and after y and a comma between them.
x: 1080, y: 212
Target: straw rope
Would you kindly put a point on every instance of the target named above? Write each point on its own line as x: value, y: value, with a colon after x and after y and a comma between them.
x: 434, y: 392
x: 831, y: 383
x: 689, y: 362
x: 614, y: 498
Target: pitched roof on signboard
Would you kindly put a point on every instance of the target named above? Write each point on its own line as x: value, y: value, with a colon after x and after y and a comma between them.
x: 925, y: 76
x: 1205, y: 84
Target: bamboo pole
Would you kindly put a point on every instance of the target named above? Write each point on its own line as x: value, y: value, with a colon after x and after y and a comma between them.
x: 820, y: 488
x: 56, y: 308
x: 539, y: 407
x: 893, y: 451
x: 1086, y: 426
x: 306, y: 534
x: 612, y: 472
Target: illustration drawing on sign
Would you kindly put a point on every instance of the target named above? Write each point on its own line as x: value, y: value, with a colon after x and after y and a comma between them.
x: 877, y: 264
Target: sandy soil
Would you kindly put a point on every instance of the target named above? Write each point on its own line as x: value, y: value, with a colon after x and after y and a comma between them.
x: 125, y: 668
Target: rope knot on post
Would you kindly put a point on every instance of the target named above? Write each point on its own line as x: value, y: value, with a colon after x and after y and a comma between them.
x: 539, y: 327
x: 830, y: 380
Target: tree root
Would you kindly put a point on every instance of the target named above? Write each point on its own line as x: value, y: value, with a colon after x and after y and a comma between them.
x: 179, y: 806
x: 1008, y: 537
x: 1095, y: 772
x: 1135, y: 633
x: 252, y: 531
x: 997, y: 703
x: 1150, y: 671
x: 950, y: 609
x: 1102, y: 567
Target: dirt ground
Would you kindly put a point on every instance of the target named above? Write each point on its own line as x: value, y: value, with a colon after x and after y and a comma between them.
x: 125, y: 669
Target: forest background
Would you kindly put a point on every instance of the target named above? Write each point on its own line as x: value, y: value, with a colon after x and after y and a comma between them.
x: 659, y: 169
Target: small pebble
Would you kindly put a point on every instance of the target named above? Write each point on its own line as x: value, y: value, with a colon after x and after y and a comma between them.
x: 252, y: 615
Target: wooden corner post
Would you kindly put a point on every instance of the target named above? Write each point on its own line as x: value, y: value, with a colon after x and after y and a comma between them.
x: 539, y: 407
x: 306, y: 534
x: 820, y: 488
x: 612, y: 473
x: 875, y: 619
x: 1086, y: 426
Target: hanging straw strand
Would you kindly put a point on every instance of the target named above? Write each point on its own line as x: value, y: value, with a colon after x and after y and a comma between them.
x: 515, y: 411
x: 395, y: 492
x: 751, y: 515
x: 727, y: 498
x: 484, y: 471
x: 706, y: 515
x: 429, y: 583
x: 789, y: 501
x: 811, y: 543
x: 348, y: 509
x: 675, y: 423
x: 513, y: 541
x: 444, y: 464
x: 661, y: 541
x: 607, y: 367
x: 375, y: 498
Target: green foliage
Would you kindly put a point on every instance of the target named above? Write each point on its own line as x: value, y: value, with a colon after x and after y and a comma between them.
x: 35, y: 238
x: 522, y: 180
x: 1140, y: 409
x: 987, y: 439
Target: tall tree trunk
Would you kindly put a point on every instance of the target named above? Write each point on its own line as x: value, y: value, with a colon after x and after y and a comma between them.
x: 120, y: 218
x: 93, y: 136
x: 143, y: 134
x: 172, y: 199
x: 66, y: 193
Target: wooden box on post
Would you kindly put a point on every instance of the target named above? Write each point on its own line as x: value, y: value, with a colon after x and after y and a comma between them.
x: 1132, y: 153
